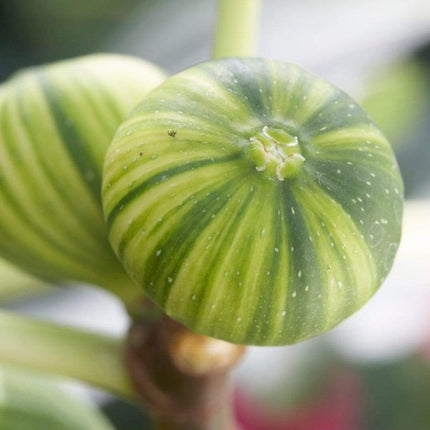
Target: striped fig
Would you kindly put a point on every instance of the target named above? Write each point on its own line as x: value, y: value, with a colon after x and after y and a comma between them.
x: 56, y: 123
x: 253, y: 201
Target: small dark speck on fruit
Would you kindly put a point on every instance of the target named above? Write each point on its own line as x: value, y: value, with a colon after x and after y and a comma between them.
x: 172, y: 133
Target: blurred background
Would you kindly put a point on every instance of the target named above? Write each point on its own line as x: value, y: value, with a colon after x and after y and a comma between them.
x: 373, y: 371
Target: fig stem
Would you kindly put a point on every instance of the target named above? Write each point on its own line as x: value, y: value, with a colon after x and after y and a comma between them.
x: 64, y: 351
x: 236, y: 28
x: 122, y: 287
x: 182, y: 377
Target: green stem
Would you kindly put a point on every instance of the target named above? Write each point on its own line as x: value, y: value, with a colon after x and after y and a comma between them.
x: 65, y: 351
x: 236, y: 28
x: 123, y: 288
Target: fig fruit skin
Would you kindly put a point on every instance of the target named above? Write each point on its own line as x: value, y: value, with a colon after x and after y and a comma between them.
x: 253, y: 201
x: 57, y: 121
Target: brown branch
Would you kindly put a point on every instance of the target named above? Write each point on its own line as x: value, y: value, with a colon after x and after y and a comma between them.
x: 181, y: 376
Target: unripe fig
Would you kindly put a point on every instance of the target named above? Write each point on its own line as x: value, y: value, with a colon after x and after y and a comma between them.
x: 56, y: 123
x: 253, y: 201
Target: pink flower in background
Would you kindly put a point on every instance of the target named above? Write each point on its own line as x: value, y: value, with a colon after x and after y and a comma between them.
x: 338, y: 408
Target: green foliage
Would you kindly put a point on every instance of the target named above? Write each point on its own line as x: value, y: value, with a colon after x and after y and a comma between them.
x: 396, y: 394
x: 64, y: 350
x: 31, y: 401
x: 15, y: 284
x: 395, y: 97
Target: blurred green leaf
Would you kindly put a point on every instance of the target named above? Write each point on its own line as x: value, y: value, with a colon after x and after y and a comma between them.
x: 16, y: 284
x: 127, y: 415
x: 395, y: 98
x: 397, y: 394
x: 58, y: 29
x: 398, y: 100
x: 31, y: 401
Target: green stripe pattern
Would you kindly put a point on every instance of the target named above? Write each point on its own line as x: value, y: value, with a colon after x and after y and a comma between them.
x: 253, y: 201
x: 56, y: 122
